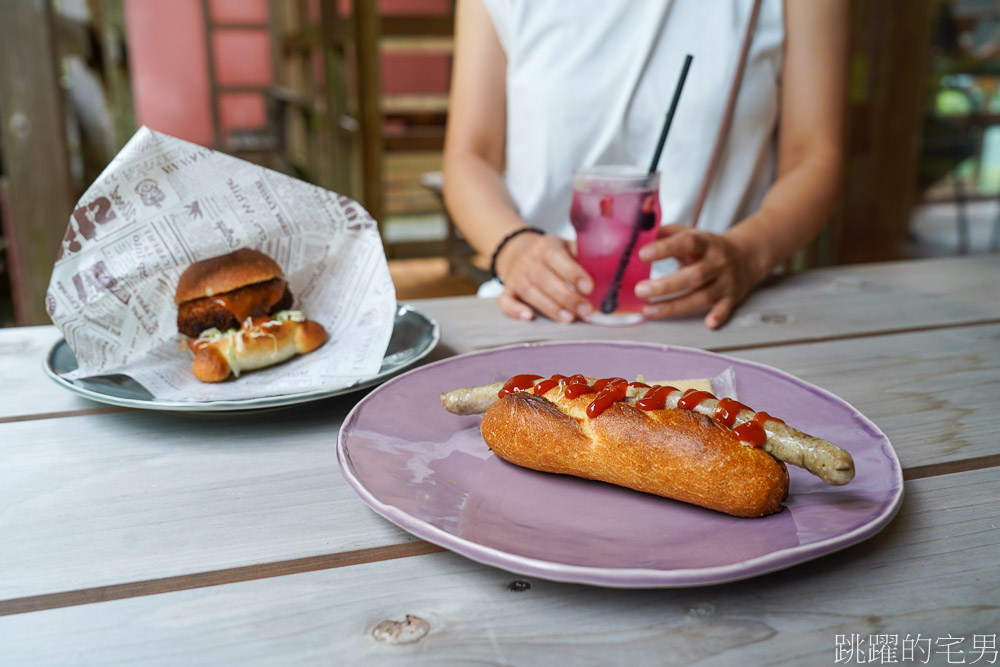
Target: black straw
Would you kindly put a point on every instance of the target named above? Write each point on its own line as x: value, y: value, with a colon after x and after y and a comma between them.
x: 610, y: 302
x: 670, y: 112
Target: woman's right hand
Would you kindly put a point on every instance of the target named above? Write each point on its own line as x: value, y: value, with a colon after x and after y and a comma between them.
x: 540, y: 274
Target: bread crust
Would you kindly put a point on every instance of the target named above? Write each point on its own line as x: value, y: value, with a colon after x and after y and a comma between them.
x: 266, y: 343
x: 674, y: 453
x: 225, y: 273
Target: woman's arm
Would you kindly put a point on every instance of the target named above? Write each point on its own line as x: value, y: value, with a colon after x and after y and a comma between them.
x: 536, y: 270
x: 718, y: 271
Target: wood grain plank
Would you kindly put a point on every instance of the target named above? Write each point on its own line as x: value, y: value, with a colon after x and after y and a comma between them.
x: 25, y: 389
x: 829, y: 304
x: 106, y: 499
x: 951, y: 467
x: 811, y: 306
x: 83, y: 412
x: 931, y: 392
x: 324, y: 562
x: 101, y: 500
x: 889, y: 52
x: 36, y: 155
x: 367, y: 22
x: 875, y: 333
x: 215, y: 577
x: 933, y: 571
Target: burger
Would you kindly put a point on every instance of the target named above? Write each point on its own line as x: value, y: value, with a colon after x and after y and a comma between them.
x: 236, y: 313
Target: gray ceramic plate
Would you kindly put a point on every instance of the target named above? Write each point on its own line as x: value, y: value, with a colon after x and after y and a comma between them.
x: 414, y: 336
x: 430, y: 472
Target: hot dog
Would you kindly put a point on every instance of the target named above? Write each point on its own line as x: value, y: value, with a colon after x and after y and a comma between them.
x: 259, y: 343
x: 785, y: 443
x: 678, y: 454
x: 475, y: 400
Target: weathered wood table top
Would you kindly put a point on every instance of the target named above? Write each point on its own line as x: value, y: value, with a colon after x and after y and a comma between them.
x: 141, y: 537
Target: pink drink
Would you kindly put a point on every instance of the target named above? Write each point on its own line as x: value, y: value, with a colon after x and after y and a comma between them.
x: 615, y: 210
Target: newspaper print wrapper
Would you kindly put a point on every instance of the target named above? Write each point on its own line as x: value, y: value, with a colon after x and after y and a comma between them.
x: 164, y: 203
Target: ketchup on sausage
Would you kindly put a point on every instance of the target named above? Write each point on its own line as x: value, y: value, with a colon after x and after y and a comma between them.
x: 655, y: 398
x: 726, y: 411
x: 752, y: 431
x: 518, y: 383
x: 613, y: 389
x: 692, y: 397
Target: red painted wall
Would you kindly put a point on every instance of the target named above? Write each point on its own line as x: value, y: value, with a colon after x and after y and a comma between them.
x: 240, y: 11
x: 415, y: 73
x: 242, y: 57
x: 169, y: 63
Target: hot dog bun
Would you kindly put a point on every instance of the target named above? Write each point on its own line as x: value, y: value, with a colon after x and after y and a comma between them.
x: 675, y: 453
x: 263, y: 343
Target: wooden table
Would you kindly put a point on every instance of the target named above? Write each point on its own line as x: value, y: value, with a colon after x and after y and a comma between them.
x: 152, y: 538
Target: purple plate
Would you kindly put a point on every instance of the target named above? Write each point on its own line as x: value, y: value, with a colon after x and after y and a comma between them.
x: 430, y: 473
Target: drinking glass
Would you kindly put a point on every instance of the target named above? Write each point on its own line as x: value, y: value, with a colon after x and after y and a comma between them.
x: 615, y: 211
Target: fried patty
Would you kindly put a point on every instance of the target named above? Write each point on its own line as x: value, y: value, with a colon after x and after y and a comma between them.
x: 255, y: 300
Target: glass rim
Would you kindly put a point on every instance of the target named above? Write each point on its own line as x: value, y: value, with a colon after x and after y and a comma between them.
x: 617, y: 175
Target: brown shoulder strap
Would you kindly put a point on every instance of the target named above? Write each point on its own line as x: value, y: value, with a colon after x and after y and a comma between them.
x: 727, y: 116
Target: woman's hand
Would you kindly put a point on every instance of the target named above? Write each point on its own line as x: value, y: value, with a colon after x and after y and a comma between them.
x: 716, y: 272
x: 539, y: 272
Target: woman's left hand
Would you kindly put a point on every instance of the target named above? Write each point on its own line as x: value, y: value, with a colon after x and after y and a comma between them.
x: 716, y: 272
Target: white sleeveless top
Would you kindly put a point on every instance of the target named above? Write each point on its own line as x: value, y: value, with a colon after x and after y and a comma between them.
x: 589, y: 82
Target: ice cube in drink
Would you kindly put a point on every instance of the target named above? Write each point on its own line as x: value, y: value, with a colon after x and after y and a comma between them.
x: 615, y: 211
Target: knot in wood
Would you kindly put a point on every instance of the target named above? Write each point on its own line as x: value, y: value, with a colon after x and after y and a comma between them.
x: 401, y: 632
x: 518, y: 585
x: 774, y: 318
x: 19, y: 126
x: 702, y: 610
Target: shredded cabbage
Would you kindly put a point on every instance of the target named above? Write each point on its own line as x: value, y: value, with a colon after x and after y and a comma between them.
x: 289, y: 316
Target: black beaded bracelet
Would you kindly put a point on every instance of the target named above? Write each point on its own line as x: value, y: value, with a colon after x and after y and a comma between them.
x: 503, y: 242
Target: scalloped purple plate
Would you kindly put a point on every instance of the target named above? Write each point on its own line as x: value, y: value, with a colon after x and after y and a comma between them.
x: 430, y: 473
